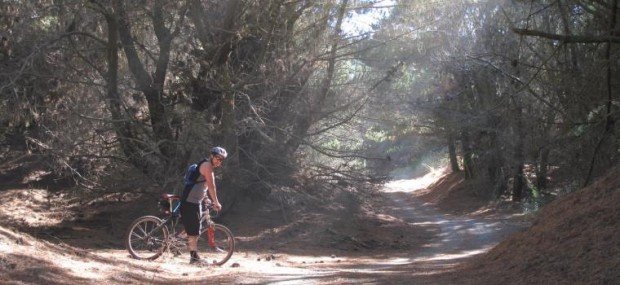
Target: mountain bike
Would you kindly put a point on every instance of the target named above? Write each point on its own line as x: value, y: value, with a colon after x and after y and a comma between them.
x: 148, y: 237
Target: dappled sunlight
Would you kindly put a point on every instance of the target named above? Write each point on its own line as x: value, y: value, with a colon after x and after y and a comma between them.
x: 456, y: 238
x: 413, y: 184
x: 31, y: 207
x: 316, y: 280
x: 451, y: 256
x: 427, y: 223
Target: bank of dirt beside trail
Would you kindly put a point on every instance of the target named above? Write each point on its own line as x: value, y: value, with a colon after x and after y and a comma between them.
x: 573, y: 240
x: 452, y: 194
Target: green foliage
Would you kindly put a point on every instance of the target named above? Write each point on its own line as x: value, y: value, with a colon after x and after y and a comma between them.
x: 376, y: 135
x: 333, y: 144
x: 48, y: 23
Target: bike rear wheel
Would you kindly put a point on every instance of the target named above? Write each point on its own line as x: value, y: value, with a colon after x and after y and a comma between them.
x: 146, y: 238
x: 219, y: 249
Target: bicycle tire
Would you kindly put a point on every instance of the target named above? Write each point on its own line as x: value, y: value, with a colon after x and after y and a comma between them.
x: 142, y: 242
x: 224, y: 245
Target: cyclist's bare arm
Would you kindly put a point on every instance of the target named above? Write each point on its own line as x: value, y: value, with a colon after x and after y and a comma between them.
x: 206, y: 169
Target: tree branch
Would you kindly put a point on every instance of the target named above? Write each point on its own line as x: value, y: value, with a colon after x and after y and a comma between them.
x: 586, y: 39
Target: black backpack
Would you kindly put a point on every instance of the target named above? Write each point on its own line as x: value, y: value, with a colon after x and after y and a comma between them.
x: 189, y: 180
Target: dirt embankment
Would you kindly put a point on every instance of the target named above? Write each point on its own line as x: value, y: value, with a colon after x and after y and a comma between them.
x: 574, y: 240
x: 451, y: 193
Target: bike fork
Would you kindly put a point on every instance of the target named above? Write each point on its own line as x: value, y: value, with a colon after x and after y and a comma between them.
x: 211, y: 236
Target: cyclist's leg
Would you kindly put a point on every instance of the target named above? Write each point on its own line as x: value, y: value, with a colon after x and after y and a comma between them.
x: 191, y: 221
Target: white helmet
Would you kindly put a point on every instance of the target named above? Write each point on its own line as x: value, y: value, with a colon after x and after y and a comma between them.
x: 220, y: 151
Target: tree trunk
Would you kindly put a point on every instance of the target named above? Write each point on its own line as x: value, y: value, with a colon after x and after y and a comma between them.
x: 122, y: 126
x: 541, y: 171
x: 151, y: 87
x: 228, y: 139
x: 607, y: 140
x: 519, y: 180
x: 454, y: 164
x: 468, y: 162
x: 494, y: 168
x: 221, y: 55
x: 304, y: 122
x: 543, y: 162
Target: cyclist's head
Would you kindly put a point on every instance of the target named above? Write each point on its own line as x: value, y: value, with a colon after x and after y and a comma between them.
x: 219, y: 154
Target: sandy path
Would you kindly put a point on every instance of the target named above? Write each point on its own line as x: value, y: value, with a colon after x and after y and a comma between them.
x: 456, y: 240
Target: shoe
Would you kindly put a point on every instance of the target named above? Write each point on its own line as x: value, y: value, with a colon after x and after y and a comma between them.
x: 195, y: 259
x: 198, y: 262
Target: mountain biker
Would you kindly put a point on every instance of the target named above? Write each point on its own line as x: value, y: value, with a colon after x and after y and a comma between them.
x: 199, y: 193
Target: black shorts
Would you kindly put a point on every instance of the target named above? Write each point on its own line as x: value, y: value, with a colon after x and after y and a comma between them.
x: 190, y: 215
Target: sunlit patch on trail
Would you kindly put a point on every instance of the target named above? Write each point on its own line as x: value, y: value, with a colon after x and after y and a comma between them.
x: 32, y: 207
x: 451, y: 256
x: 318, y: 280
x: 398, y: 261
x: 431, y: 223
x: 413, y: 184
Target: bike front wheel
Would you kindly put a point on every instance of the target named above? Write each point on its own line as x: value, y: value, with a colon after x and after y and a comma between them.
x: 146, y: 238
x: 216, y: 244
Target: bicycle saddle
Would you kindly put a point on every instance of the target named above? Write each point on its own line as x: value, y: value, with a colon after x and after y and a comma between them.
x: 170, y: 196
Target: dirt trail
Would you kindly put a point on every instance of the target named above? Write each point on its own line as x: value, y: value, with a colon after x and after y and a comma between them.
x: 455, y: 240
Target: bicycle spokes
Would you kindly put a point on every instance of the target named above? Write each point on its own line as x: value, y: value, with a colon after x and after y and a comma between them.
x: 147, y: 238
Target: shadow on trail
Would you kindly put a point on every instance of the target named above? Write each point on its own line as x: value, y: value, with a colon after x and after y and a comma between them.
x: 34, y: 270
x: 456, y: 237
x: 41, y: 272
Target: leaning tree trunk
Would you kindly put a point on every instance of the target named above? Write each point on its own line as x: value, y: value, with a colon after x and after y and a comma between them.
x: 152, y: 85
x: 122, y: 127
x: 304, y: 122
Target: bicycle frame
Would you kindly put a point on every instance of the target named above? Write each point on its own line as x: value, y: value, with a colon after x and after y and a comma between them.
x: 173, y: 218
x: 149, y: 236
